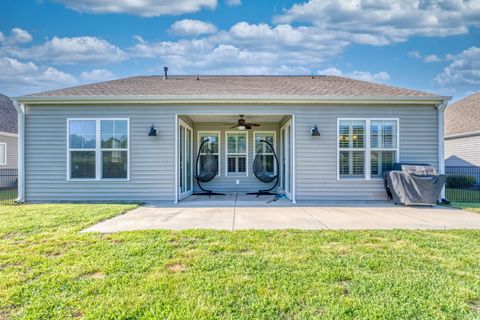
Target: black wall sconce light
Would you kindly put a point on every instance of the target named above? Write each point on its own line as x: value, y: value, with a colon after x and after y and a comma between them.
x: 315, y: 132
x: 153, y: 131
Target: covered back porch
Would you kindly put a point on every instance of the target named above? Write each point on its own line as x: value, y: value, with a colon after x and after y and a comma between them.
x: 229, y: 145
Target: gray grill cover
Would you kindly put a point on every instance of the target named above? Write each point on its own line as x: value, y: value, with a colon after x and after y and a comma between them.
x: 415, y: 185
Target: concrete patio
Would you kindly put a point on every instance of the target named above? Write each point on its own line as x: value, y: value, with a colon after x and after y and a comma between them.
x: 239, y: 212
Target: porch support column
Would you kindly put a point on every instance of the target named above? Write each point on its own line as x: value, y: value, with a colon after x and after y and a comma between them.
x: 21, y: 151
x: 441, y: 140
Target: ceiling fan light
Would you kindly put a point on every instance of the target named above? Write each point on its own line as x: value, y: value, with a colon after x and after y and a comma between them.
x: 241, y: 127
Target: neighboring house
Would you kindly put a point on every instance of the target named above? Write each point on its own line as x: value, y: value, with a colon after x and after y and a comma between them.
x: 92, y: 142
x: 8, y: 134
x: 462, y: 132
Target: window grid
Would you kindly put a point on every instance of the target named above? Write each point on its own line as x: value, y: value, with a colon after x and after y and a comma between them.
x: 265, y: 135
x: 237, y: 161
x: 201, y: 136
x: 98, y: 150
x: 368, y: 151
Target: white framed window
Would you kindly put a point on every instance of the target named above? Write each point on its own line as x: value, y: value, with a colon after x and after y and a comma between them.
x: 236, y: 154
x: 3, y: 154
x: 268, y: 157
x: 383, y: 146
x: 98, y: 149
x: 213, y: 144
x: 366, y: 147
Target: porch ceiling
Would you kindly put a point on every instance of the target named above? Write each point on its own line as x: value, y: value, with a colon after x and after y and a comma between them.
x: 233, y: 118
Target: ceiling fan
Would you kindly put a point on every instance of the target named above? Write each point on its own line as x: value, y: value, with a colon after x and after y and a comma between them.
x: 243, y: 125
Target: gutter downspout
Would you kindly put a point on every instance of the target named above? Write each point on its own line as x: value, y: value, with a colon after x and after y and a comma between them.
x: 441, y: 141
x: 21, y: 151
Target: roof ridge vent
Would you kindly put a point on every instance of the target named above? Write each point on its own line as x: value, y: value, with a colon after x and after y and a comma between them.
x: 165, y: 70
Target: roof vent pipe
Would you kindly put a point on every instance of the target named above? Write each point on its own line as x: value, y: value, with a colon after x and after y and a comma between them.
x: 165, y: 70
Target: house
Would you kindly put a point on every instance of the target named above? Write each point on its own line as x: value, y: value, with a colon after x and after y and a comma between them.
x: 8, y: 134
x: 136, y: 139
x: 462, y: 132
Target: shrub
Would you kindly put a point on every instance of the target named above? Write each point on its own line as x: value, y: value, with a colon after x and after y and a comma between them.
x: 460, y: 181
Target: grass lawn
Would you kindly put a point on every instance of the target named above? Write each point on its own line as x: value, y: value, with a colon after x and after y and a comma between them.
x: 475, y: 207
x: 50, y: 270
x: 8, y: 196
x: 456, y: 195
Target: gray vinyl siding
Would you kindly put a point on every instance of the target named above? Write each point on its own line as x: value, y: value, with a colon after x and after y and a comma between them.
x: 463, y: 152
x: 316, y: 157
x: 224, y: 183
x: 152, y: 170
x: 12, y: 151
x: 152, y: 159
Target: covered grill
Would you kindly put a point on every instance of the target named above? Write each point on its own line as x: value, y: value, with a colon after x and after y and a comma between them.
x: 414, y: 184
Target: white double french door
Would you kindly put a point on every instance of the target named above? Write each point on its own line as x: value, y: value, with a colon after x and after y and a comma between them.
x: 185, y: 156
x: 286, y: 181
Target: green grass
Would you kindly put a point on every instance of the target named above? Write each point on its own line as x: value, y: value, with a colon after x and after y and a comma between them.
x: 462, y: 195
x: 50, y: 270
x: 470, y: 206
x: 8, y: 196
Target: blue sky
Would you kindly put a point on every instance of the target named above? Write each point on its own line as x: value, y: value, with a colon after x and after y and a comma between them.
x: 429, y: 45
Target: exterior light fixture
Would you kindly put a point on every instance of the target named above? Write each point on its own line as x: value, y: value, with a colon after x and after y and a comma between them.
x: 153, y: 131
x: 315, y: 132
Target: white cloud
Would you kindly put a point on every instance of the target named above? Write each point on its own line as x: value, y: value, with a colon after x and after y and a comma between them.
x: 427, y: 58
x: 381, y: 22
x: 232, y: 3
x: 464, y: 70
x: 381, y: 76
x: 432, y: 58
x: 145, y: 8
x: 188, y: 27
x: 20, y: 36
x: 245, y: 48
x: 17, y: 36
x: 69, y: 51
x: 17, y: 77
x: 97, y: 75
x: 415, y: 54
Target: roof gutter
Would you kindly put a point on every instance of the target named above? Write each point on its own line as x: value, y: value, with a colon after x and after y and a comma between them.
x: 463, y: 135
x: 230, y: 99
x: 21, y: 150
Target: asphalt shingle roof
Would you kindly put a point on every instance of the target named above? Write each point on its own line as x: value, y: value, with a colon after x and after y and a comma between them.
x: 234, y: 85
x: 463, y: 116
x: 8, y: 115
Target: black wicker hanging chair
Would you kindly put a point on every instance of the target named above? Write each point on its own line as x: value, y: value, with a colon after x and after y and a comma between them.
x: 261, y: 172
x: 207, y: 170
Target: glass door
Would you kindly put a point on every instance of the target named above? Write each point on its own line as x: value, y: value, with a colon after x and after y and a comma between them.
x: 185, y: 159
x: 286, y: 158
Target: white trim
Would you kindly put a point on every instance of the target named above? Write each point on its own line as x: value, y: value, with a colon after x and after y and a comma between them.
x: 21, y: 150
x: 189, y: 192
x: 218, y: 133
x: 294, y: 155
x: 8, y: 134
x: 367, y: 149
x: 291, y: 159
x: 274, y: 133
x: 441, y: 141
x: 177, y: 163
x: 232, y: 99
x: 236, y: 154
x: 4, y: 163
x: 98, y: 151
